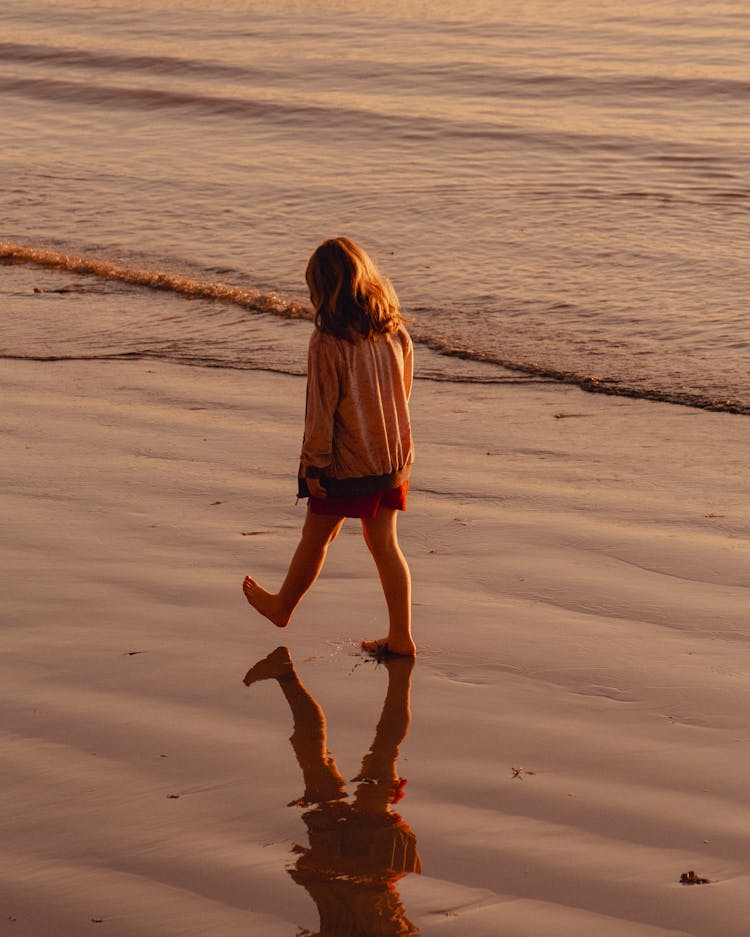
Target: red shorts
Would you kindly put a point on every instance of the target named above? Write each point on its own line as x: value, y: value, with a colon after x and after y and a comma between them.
x: 364, y: 507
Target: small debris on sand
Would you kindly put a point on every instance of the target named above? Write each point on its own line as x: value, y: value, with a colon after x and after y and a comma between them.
x: 690, y: 878
x: 520, y: 772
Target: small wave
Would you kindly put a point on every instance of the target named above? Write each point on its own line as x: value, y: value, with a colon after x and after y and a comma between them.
x: 149, y: 354
x: 590, y: 383
x: 275, y: 305
x: 79, y: 92
x: 270, y: 303
x: 133, y: 96
x: 489, y: 81
x: 202, y: 361
x: 129, y: 64
x: 409, y: 128
x: 495, y: 82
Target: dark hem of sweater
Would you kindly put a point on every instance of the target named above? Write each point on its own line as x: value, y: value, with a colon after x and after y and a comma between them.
x: 357, y: 487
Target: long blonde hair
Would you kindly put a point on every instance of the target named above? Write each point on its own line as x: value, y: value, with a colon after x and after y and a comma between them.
x: 348, y: 294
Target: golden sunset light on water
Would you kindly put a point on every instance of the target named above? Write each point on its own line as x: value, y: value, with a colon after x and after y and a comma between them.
x: 375, y: 468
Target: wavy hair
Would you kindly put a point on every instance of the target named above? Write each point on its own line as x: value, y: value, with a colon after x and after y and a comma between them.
x: 350, y: 297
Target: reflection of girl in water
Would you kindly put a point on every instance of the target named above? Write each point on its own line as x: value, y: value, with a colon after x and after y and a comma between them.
x: 358, y: 850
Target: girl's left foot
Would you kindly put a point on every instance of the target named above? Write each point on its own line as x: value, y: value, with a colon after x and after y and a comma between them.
x: 268, y: 604
x: 384, y: 646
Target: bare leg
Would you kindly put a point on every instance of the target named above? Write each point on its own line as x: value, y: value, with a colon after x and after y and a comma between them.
x: 379, y: 764
x: 381, y: 538
x: 317, y: 534
x: 323, y: 780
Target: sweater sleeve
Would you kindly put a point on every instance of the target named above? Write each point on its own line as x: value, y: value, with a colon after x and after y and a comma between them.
x: 323, y: 392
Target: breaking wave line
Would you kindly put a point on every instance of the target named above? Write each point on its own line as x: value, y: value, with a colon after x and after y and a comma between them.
x: 275, y: 305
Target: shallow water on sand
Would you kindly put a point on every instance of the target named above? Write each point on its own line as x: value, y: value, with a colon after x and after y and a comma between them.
x: 561, y: 189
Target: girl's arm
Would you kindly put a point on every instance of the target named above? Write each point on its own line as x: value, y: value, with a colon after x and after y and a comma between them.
x: 323, y: 393
x: 408, y: 365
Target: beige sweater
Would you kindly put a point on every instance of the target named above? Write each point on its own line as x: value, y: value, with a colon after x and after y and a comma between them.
x: 357, y: 430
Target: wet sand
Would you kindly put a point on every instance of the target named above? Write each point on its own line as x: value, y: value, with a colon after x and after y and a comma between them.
x: 579, y: 705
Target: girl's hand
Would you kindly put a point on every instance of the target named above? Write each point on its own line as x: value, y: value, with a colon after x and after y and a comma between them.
x: 315, y: 488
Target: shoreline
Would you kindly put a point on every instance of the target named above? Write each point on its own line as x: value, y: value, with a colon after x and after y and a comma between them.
x: 580, y: 571
x: 288, y: 309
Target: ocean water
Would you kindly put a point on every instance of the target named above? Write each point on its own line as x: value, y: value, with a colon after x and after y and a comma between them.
x: 557, y: 189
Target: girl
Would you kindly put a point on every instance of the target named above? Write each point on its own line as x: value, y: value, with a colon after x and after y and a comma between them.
x: 357, y: 449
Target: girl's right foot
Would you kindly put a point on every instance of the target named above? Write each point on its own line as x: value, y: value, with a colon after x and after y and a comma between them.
x: 268, y: 604
x: 384, y: 646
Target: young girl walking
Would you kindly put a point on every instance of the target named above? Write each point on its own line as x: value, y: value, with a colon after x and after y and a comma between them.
x: 357, y: 450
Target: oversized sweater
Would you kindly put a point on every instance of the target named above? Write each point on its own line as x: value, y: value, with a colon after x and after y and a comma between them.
x: 357, y: 430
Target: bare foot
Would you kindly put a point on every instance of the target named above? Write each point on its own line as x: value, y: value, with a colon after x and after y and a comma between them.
x: 268, y: 604
x: 385, y: 646
x: 276, y: 666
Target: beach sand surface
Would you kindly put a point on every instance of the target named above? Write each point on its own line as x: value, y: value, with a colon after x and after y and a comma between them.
x: 580, y: 703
